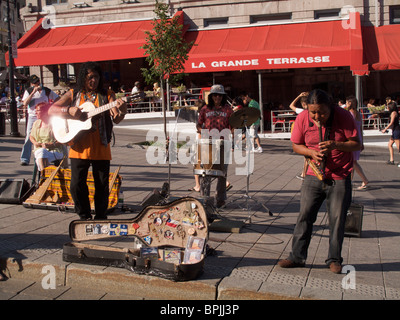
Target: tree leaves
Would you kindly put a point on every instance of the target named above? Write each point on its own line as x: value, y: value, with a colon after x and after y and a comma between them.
x: 165, y: 46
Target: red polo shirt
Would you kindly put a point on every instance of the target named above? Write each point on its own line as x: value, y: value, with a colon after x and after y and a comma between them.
x: 339, y: 164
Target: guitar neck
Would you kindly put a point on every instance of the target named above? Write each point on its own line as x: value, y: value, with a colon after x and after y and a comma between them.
x: 111, y: 105
x: 102, y: 109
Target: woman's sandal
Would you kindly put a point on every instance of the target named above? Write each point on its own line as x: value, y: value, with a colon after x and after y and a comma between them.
x: 362, y: 187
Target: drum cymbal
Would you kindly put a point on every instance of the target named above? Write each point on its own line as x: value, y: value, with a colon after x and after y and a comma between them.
x: 244, y: 117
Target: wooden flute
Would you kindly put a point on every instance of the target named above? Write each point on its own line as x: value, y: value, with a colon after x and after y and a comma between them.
x: 319, y: 170
x: 316, y: 169
x: 321, y: 139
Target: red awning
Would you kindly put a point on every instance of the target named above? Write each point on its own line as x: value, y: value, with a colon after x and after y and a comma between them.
x: 382, y: 47
x: 80, y: 43
x: 301, y: 45
x: 97, y: 42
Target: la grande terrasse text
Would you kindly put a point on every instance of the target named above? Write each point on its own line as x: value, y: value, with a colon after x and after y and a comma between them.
x: 256, y: 62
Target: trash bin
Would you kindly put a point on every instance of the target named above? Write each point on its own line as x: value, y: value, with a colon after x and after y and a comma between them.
x: 2, y: 123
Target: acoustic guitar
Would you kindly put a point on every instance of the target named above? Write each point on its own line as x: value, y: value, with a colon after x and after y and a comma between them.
x: 66, y: 130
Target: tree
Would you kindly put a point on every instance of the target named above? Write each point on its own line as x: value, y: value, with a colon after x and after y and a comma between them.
x: 165, y: 47
x: 166, y: 51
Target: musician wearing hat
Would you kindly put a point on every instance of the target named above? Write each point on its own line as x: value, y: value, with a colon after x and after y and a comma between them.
x: 215, y: 115
x: 32, y: 97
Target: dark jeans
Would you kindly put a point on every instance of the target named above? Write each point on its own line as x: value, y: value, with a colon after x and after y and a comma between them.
x: 80, y: 191
x: 205, y: 186
x: 338, y: 199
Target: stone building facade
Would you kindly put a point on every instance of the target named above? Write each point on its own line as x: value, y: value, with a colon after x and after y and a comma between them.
x: 16, y: 24
x: 278, y: 86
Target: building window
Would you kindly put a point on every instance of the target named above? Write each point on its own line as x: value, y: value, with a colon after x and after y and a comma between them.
x: 50, y: 2
x: 18, y: 7
x: 12, y: 16
x: 215, y: 22
x: 63, y: 74
x: 394, y: 14
x: 326, y: 14
x: 3, y: 14
x: 271, y: 18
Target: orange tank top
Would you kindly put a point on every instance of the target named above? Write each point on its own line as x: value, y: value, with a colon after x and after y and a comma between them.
x: 88, y: 144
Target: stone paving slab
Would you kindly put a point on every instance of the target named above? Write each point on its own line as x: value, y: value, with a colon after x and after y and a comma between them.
x: 245, y: 266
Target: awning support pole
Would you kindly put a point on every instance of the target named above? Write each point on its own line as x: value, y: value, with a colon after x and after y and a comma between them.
x: 359, y: 93
x: 260, y: 101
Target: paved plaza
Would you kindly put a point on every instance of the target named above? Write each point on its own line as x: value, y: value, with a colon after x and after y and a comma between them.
x: 245, y: 263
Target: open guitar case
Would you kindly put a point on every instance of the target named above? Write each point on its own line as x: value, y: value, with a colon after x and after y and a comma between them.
x: 168, y: 241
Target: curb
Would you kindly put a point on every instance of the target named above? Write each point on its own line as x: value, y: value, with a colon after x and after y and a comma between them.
x: 129, y: 284
x: 110, y: 279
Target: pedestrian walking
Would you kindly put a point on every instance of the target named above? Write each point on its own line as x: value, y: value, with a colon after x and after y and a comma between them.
x: 249, y: 101
x: 351, y: 106
x: 395, y: 126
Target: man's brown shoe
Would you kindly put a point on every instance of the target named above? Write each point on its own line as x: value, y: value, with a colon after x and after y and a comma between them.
x: 286, y: 263
x: 335, y: 267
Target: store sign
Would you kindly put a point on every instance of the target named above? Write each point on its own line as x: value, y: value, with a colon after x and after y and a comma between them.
x: 226, y: 63
x: 201, y: 65
x: 301, y: 60
x: 14, y: 40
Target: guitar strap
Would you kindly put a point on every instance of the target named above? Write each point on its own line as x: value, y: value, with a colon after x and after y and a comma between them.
x: 76, y: 99
x: 328, y: 130
x: 101, y: 122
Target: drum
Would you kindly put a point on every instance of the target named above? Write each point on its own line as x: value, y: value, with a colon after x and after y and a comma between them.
x: 210, y: 158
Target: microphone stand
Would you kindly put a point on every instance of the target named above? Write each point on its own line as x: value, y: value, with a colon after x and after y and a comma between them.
x: 246, y: 195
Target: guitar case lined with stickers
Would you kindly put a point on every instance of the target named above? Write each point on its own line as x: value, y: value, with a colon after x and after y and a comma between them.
x: 168, y: 241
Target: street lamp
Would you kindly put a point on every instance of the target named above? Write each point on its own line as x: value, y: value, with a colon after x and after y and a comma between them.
x: 13, y: 104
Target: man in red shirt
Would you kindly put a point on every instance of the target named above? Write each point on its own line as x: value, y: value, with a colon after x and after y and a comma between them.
x: 333, y: 153
x: 214, y: 121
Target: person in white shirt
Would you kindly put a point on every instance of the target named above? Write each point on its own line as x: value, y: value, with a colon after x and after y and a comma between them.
x: 33, y: 96
x: 136, y: 88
